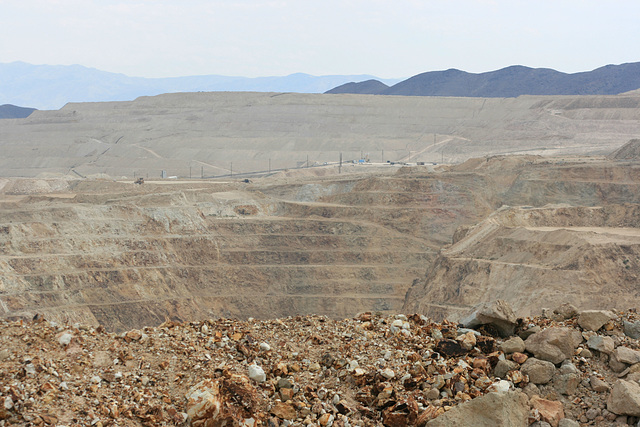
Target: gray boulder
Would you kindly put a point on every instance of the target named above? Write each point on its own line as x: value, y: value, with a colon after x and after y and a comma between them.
x: 566, y: 379
x: 554, y: 344
x: 496, y: 313
x: 565, y: 311
x: 601, y: 344
x: 503, y: 367
x: 495, y: 409
x: 512, y: 345
x: 624, y: 398
x: 631, y: 329
x: 592, y: 320
x: 615, y: 364
x: 627, y: 355
x: 539, y: 371
x: 598, y: 385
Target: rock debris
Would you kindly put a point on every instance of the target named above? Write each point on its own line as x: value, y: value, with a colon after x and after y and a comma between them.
x: 312, y: 371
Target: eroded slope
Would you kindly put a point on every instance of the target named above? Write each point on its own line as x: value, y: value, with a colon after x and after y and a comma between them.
x: 533, y: 257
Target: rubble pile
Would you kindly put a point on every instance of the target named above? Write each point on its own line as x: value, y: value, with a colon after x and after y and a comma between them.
x: 563, y: 368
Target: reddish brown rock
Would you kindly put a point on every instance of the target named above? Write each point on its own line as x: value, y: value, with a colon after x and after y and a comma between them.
x: 285, y: 411
x: 550, y: 411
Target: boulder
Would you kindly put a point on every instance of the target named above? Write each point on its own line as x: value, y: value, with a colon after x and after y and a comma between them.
x: 601, y: 344
x: 257, y: 374
x: 624, y: 398
x: 495, y: 409
x: 565, y: 311
x: 554, y: 344
x: 566, y: 422
x: 512, y: 345
x: 592, y: 320
x: 598, y: 384
x: 627, y: 355
x: 566, y: 382
x: 550, y: 411
x: 504, y: 366
x: 539, y: 371
x: 204, y: 401
x: 631, y: 329
x: 496, y: 313
x: 615, y: 364
x: 284, y: 410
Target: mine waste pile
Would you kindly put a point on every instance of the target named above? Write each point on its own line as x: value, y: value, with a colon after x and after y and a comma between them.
x: 562, y: 368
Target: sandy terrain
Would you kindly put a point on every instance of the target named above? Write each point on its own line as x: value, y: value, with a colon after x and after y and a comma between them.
x: 215, y: 134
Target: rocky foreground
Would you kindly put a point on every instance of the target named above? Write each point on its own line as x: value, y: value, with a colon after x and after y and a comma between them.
x: 564, y: 368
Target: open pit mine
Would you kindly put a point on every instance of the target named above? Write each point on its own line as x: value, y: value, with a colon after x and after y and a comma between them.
x: 153, y: 244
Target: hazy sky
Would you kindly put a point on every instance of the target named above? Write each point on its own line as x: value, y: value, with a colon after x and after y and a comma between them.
x: 386, y: 38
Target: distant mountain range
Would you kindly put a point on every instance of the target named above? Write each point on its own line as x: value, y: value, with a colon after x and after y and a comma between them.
x: 8, y: 111
x: 49, y: 87
x: 507, y: 82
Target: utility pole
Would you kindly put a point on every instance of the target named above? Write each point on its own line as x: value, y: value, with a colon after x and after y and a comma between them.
x: 232, y: 169
x: 269, y: 165
x: 307, y: 160
x: 189, y: 172
x: 202, y: 172
x: 382, y: 156
x: 340, y: 166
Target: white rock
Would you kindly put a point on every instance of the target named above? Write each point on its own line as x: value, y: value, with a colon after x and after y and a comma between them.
x: 265, y: 347
x: 257, y: 374
x: 204, y: 401
x: 388, y: 373
x: 500, y: 386
x: 8, y: 403
x: 65, y: 339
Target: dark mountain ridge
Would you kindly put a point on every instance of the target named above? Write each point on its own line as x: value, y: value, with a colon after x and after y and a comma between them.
x: 8, y: 111
x: 508, y: 82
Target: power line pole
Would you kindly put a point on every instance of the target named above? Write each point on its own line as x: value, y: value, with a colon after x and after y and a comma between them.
x: 232, y: 169
x: 340, y: 166
x: 382, y: 156
x: 269, y: 165
x: 202, y: 172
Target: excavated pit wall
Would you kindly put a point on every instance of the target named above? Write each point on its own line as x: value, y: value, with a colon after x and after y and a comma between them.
x: 127, y: 256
